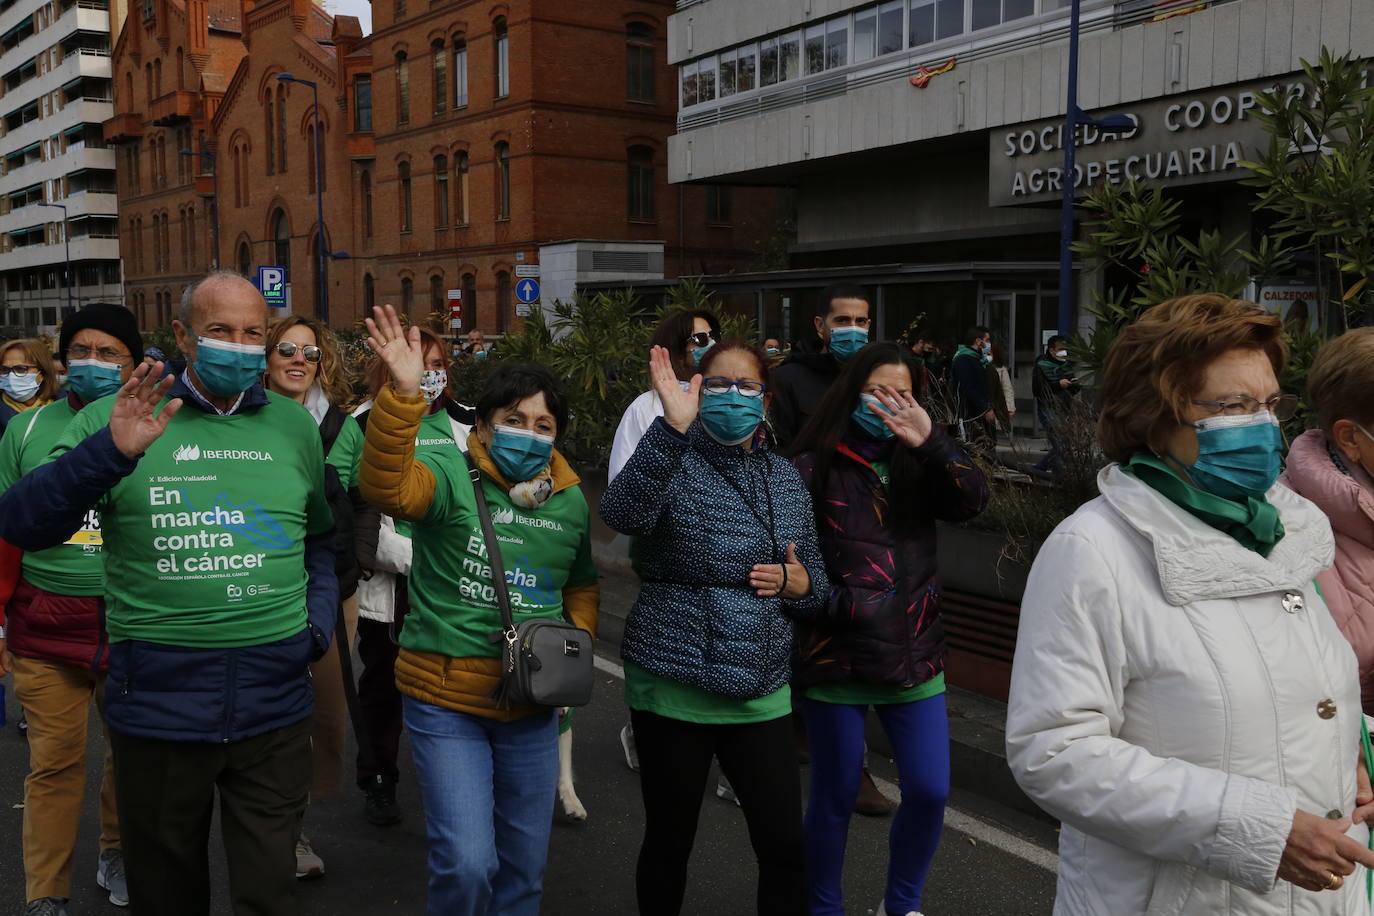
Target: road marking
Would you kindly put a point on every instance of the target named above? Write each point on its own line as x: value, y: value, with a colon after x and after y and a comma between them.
x: 975, y: 827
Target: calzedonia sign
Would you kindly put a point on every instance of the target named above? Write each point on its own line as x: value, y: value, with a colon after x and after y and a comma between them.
x: 1177, y: 140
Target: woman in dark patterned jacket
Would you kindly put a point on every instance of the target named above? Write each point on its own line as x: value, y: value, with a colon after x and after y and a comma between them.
x: 880, y: 475
x: 728, y: 558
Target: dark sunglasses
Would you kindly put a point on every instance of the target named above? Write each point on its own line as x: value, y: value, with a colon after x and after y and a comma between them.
x: 701, y: 339
x: 286, y: 350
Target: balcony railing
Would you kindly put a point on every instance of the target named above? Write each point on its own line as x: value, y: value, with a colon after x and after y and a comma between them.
x: 171, y: 107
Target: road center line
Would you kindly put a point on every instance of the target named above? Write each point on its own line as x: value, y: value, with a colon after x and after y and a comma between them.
x: 978, y: 829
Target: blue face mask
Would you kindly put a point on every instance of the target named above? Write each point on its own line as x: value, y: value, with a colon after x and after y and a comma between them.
x: 731, y: 418
x: 91, y: 379
x: 520, y: 454
x: 845, y: 342
x: 868, y: 422
x: 20, y: 387
x: 229, y: 369
x: 1238, y: 457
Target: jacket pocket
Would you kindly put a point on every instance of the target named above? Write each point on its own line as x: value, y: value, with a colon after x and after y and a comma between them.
x: 1172, y: 886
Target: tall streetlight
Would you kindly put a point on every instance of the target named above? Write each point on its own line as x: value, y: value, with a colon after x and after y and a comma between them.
x: 322, y: 287
x: 214, y: 198
x: 67, y: 241
x: 1073, y: 117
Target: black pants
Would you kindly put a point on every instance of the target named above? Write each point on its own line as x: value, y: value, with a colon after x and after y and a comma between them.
x: 166, y: 794
x: 379, y: 702
x: 760, y: 760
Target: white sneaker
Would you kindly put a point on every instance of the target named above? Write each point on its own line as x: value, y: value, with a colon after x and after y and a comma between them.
x: 627, y: 743
x: 882, y: 910
x: 308, y: 864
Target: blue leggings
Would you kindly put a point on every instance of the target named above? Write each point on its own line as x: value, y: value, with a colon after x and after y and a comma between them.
x: 919, y: 733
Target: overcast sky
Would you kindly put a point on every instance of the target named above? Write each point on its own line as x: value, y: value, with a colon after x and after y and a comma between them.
x: 360, y: 8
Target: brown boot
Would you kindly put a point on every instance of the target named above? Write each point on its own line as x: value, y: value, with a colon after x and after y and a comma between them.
x: 871, y: 802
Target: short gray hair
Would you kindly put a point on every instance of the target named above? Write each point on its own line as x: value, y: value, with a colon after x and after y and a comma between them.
x: 188, y: 294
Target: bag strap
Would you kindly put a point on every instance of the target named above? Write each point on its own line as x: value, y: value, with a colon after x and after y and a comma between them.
x: 330, y: 427
x: 498, y: 566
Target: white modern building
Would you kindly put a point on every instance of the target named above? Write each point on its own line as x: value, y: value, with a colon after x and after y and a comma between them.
x: 59, y: 229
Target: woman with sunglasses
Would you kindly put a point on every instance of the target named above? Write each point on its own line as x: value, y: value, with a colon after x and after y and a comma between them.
x: 727, y: 554
x: 304, y: 364
x: 27, y: 378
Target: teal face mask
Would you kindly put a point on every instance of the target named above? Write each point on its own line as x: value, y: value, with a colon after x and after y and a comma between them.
x: 229, y: 369
x: 730, y: 418
x: 519, y: 454
x: 845, y: 342
x: 91, y: 379
x: 869, y: 423
x: 699, y: 353
x: 1238, y: 457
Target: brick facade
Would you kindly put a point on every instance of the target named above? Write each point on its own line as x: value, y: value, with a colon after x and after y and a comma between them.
x: 582, y: 159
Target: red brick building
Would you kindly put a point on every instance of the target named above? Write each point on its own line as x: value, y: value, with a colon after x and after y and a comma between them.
x: 457, y: 138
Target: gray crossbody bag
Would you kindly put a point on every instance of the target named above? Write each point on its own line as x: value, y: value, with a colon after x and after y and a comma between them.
x: 543, y: 662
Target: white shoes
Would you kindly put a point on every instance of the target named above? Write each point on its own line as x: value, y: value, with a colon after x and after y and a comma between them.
x: 882, y: 910
x: 627, y: 744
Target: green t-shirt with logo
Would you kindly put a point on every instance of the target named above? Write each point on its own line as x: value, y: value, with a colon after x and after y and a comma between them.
x: 453, y: 608
x: 347, y: 453
x: 73, y: 568
x: 204, y: 541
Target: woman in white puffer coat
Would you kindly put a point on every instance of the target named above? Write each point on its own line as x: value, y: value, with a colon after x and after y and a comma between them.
x: 1181, y: 698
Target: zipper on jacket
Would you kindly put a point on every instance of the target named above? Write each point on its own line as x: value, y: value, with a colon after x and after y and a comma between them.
x: 231, y: 673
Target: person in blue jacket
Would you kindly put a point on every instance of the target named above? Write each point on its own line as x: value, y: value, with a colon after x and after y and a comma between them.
x: 220, y: 591
x: 727, y: 558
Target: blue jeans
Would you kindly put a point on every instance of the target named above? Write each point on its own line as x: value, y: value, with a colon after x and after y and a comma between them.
x: 919, y: 733
x: 488, y: 789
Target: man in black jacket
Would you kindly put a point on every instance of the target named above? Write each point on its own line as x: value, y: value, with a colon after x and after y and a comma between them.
x: 1055, y: 387
x: 969, y: 372
x: 799, y: 384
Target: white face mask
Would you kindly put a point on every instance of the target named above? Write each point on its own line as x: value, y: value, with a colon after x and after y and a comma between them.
x: 1061, y: 354
x: 432, y: 384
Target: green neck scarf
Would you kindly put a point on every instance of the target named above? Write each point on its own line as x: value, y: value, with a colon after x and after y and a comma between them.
x: 1254, y: 523
x: 966, y: 350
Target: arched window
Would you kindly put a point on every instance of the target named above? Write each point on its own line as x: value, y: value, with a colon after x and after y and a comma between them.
x: 127, y: 103
x: 502, y: 57
x: 245, y: 259
x: 440, y: 192
x: 436, y: 293
x: 281, y: 128
x: 639, y: 62
x: 460, y: 187
x: 366, y: 194
x: 269, y: 117
x: 157, y: 76
x: 369, y: 295
x: 469, y: 288
x: 460, y: 72
x: 323, y: 164
x: 148, y: 80
x: 402, y: 89
x: 503, y: 306
x: 407, y: 295
x: 439, y: 54
x: 640, y: 171
x: 310, y: 159
x: 181, y: 71
x: 403, y: 176
x: 503, y: 180
x: 281, y: 241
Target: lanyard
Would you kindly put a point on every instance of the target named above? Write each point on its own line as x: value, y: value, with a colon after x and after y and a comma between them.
x: 749, y: 499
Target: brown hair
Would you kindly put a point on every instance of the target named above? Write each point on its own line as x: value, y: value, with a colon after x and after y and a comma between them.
x: 1340, y: 380
x: 735, y: 344
x: 1155, y: 366
x: 378, y: 375
x: 37, y: 354
x: 333, y: 374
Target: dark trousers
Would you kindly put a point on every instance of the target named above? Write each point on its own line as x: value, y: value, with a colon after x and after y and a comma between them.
x: 166, y: 793
x: 760, y: 760
x: 379, y: 702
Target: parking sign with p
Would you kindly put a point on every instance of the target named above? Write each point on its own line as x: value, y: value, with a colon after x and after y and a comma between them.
x: 272, y: 285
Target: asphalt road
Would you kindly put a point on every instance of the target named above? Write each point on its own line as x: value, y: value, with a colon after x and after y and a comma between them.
x: 991, y: 861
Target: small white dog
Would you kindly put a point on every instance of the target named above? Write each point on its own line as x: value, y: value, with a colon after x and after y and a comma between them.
x: 567, y: 795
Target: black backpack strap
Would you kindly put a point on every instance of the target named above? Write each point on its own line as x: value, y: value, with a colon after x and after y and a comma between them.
x: 333, y: 422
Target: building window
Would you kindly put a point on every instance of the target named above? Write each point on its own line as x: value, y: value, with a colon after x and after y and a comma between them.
x: 460, y: 72
x: 310, y: 159
x: 281, y: 128
x: 717, y: 203
x: 503, y: 306
x: 181, y: 64
x: 407, y: 296
x: 436, y: 293
x: 460, y: 187
x: 440, y: 192
x: 281, y: 242
x: 469, y: 287
x: 362, y: 103
x: 935, y: 20
x: 503, y: 180
x: 502, y: 40
x: 403, y: 176
x: 157, y: 76
x: 402, y: 89
x: 269, y: 118
x: 365, y: 192
x: 322, y: 160
x: 439, y: 54
x: 245, y: 259
x: 988, y: 13
x: 369, y: 295
x: 641, y: 183
x: 191, y: 236
x: 639, y: 62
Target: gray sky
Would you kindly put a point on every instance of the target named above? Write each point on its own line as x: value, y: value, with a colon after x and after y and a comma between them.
x: 360, y: 8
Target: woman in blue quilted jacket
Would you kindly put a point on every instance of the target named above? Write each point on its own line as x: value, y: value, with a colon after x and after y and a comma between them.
x: 728, y: 558
x: 880, y: 475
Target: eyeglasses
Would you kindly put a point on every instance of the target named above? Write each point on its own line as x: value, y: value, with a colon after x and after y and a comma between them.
x: 701, y: 339
x: 286, y: 350
x: 77, y: 351
x: 1282, y: 406
x: 20, y: 369
x: 717, y: 385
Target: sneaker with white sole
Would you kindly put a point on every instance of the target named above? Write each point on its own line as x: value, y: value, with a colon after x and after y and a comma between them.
x: 46, y: 906
x: 882, y: 910
x: 109, y: 874
x: 308, y: 864
x: 726, y: 792
x: 627, y: 744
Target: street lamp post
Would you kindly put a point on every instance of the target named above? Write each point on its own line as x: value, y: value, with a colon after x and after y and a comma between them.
x: 67, y: 242
x: 214, y: 199
x: 322, y: 289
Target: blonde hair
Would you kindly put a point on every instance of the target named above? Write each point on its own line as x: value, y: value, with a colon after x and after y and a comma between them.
x: 333, y: 374
x: 1341, y: 379
x: 36, y: 354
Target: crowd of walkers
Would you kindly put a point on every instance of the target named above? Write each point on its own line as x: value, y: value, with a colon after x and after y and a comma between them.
x: 199, y: 548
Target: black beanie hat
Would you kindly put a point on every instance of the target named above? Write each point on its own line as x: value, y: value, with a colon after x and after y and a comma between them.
x: 115, y: 320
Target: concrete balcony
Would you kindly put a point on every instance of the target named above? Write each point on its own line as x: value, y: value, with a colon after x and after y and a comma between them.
x: 173, y: 107
x: 83, y: 249
x: 123, y: 127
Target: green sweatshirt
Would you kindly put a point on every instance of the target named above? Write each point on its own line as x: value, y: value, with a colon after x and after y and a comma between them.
x: 347, y: 452
x: 206, y: 536
x: 73, y: 568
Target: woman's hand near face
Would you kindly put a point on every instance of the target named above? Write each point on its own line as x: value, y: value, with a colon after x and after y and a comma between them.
x: 767, y: 578
x: 400, y: 350
x: 1317, y: 849
x: 679, y: 407
x: 908, y: 420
